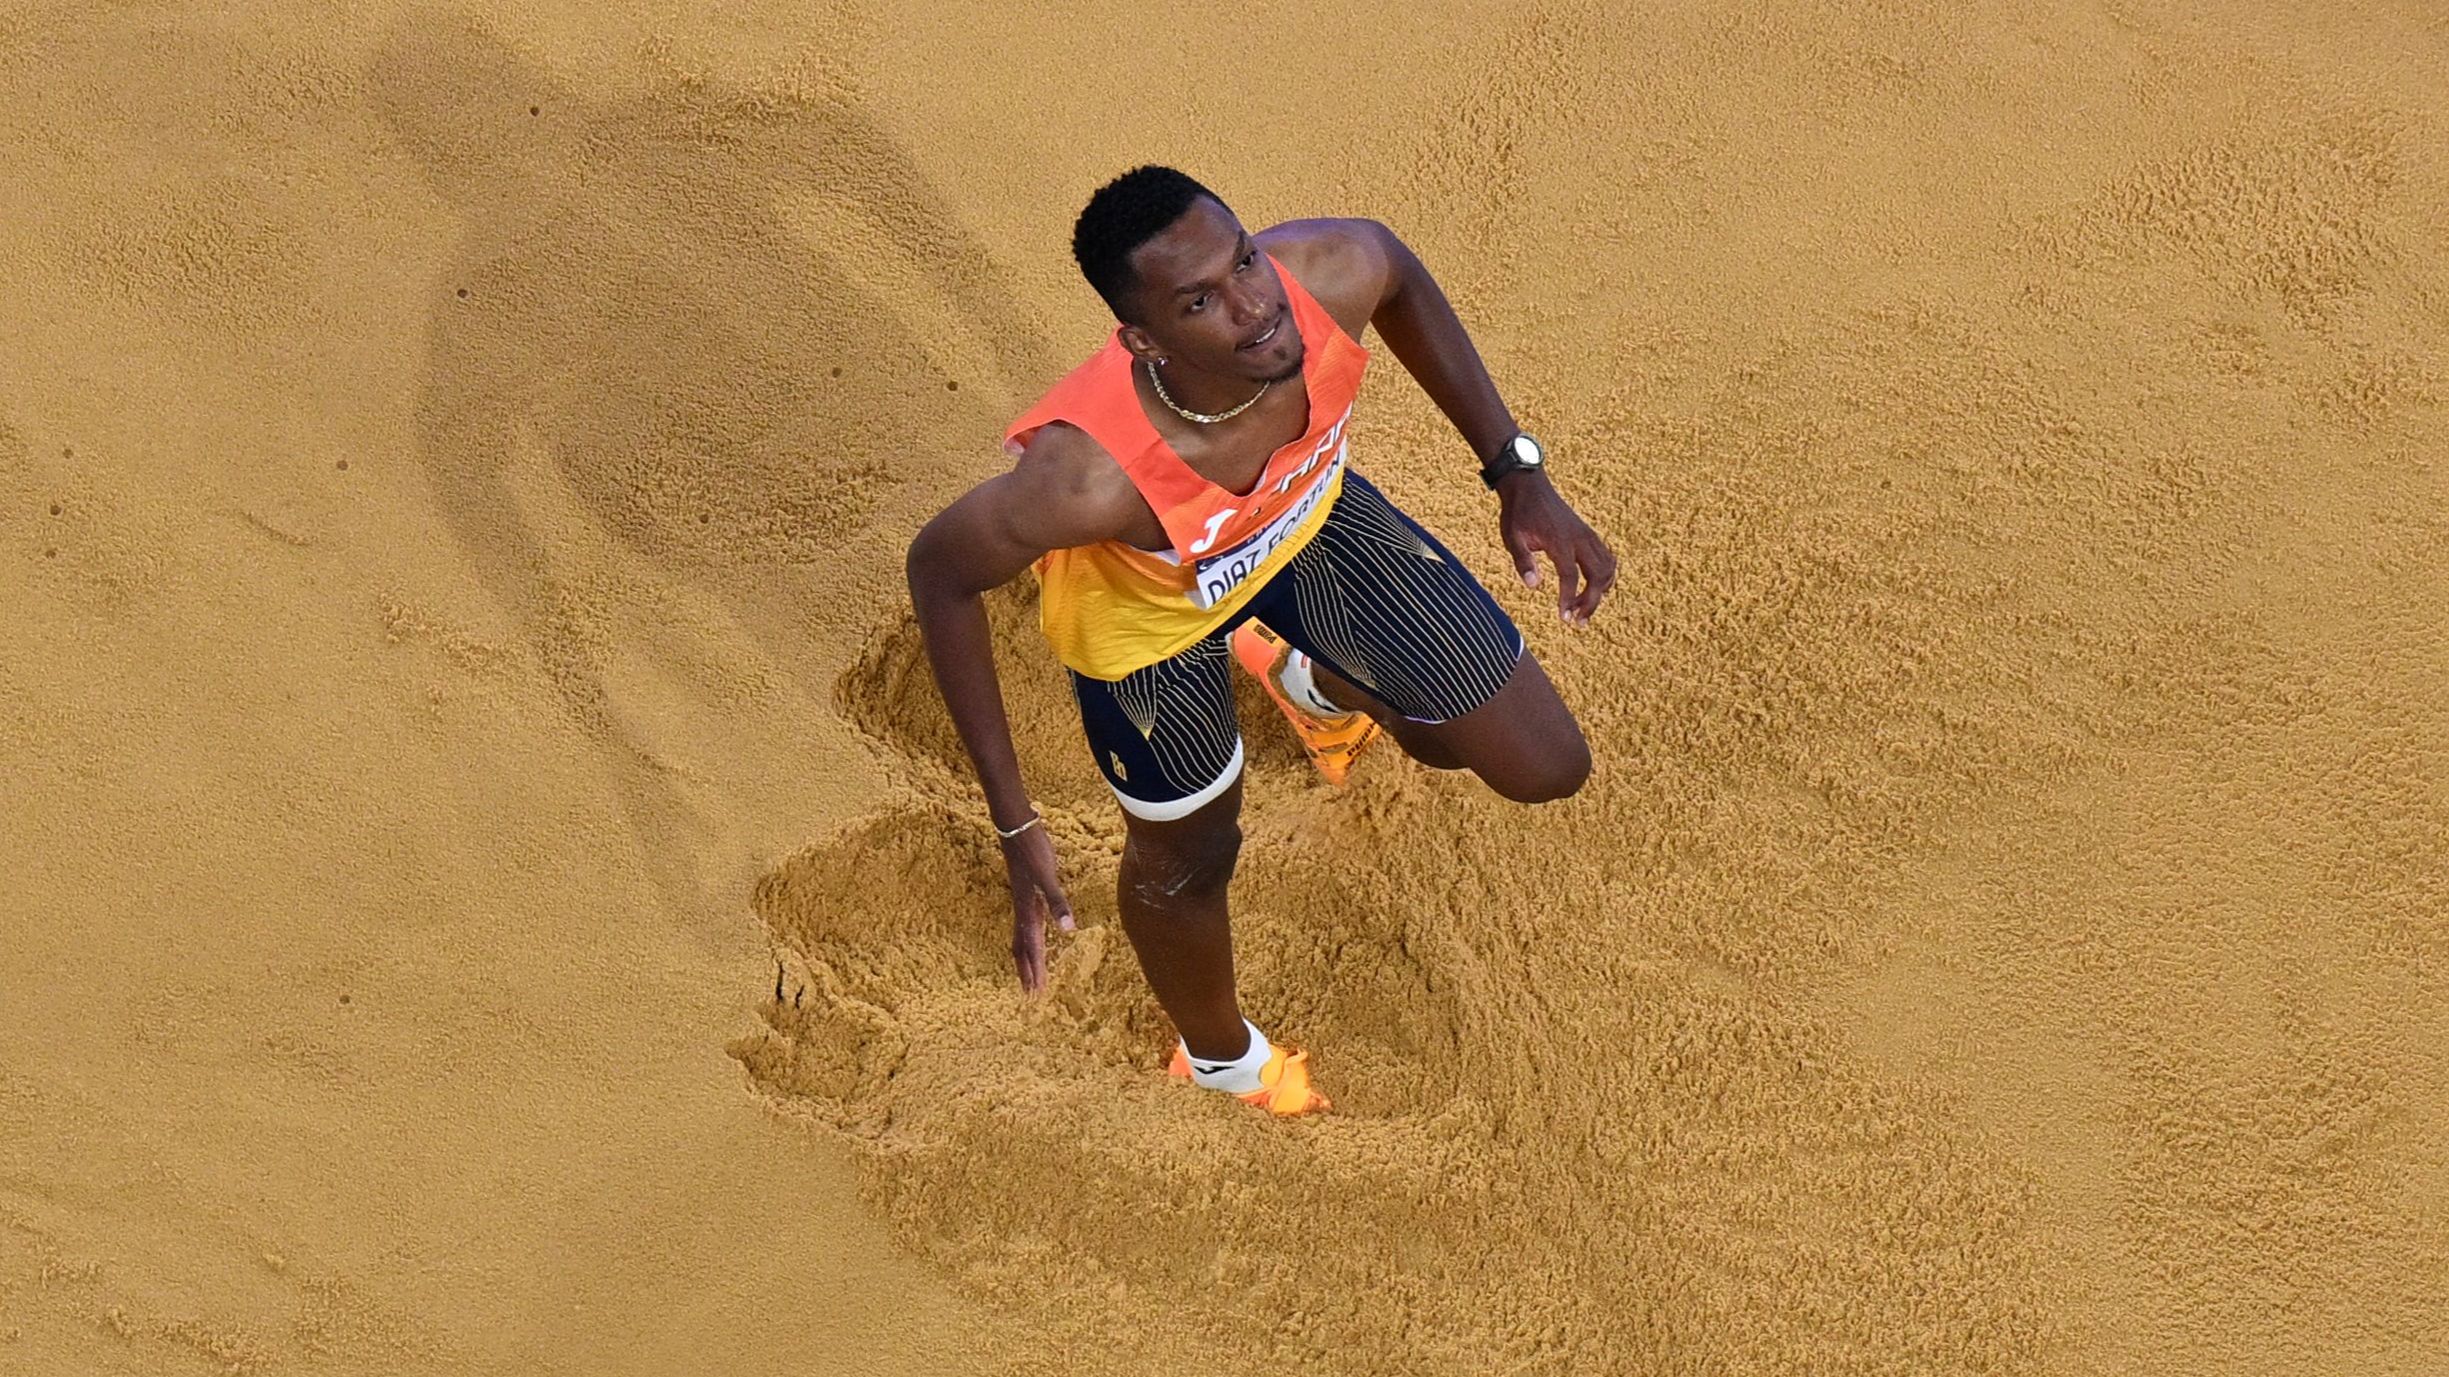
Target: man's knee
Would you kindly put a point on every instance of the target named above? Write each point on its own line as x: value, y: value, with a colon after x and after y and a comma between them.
x: 1547, y: 777
x: 1183, y: 866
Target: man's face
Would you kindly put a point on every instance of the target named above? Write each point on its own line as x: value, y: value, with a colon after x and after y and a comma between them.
x: 1208, y: 298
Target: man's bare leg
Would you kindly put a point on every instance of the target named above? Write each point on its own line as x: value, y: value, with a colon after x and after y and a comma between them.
x: 1523, y: 742
x: 1174, y: 877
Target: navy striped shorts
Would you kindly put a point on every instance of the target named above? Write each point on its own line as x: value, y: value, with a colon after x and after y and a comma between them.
x: 1373, y: 597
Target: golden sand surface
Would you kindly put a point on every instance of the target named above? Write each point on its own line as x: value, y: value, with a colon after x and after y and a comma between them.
x: 493, y: 890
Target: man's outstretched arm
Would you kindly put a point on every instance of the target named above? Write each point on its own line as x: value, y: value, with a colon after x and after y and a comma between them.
x: 1412, y: 315
x: 1419, y: 325
x: 1048, y: 501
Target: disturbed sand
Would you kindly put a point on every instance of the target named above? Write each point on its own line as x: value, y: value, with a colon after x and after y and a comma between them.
x: 494, y: 890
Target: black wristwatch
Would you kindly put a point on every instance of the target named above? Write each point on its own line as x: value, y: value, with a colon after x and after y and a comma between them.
x: 1519, y: 453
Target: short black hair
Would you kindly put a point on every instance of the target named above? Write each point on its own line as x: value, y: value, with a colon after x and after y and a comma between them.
x: 1124, y: 214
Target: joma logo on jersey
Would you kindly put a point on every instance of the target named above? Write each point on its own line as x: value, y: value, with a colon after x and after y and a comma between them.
x: 1220, y: 574
x: 1327, y: 443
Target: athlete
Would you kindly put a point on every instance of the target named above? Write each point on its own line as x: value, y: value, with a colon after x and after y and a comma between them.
x: 1186, y: 501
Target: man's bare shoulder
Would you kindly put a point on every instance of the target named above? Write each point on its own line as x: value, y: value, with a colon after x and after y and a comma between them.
x: 1066, y: 485
x: 1345, y: 263
x: 1062, y: 459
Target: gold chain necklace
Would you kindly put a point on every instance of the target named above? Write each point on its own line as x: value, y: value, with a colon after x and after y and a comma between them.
x: 1205, y: 420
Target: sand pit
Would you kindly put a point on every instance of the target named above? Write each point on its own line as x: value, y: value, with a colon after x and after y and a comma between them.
x: 498, y: 892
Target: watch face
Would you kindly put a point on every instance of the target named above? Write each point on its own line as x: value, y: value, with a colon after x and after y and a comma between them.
x: 1527, y: 453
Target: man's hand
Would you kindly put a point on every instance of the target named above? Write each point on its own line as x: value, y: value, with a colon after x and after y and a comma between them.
x: 1037, y: 893
x: 1534, y: 517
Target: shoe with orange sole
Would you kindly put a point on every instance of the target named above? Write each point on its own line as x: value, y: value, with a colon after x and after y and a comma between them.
x: 1332, y: 742
x: 1284, y: 1083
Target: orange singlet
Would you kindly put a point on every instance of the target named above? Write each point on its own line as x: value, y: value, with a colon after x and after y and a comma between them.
x: 1111, y: 608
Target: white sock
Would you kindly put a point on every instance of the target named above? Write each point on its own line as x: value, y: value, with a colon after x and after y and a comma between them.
x: 1303, y: 686
x: 1240, y: 1075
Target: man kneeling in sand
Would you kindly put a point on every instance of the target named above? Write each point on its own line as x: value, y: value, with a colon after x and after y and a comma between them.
x: 1185, y: 500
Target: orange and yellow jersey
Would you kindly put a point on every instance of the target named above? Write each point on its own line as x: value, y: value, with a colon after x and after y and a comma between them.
x: 1111, y: 608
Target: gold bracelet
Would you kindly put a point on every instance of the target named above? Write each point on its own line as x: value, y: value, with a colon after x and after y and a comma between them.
x: 1034, y: 819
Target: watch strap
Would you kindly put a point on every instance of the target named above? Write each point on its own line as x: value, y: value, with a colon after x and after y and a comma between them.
x: 1508, y: 460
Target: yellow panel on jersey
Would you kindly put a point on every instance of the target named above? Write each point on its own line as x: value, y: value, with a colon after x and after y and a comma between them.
x: 1108, y: 609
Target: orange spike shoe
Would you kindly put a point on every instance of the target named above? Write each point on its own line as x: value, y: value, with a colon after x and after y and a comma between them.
x: 1284, y: 1082
x: 1332, y: 742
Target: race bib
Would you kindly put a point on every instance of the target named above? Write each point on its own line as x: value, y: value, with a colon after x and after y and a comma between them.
x: 1220, y: 573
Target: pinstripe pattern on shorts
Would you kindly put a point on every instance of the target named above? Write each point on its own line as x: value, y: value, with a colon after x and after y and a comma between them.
x: 1378, y: 600
x: 1373, y: 597
x: 1178, y: 715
